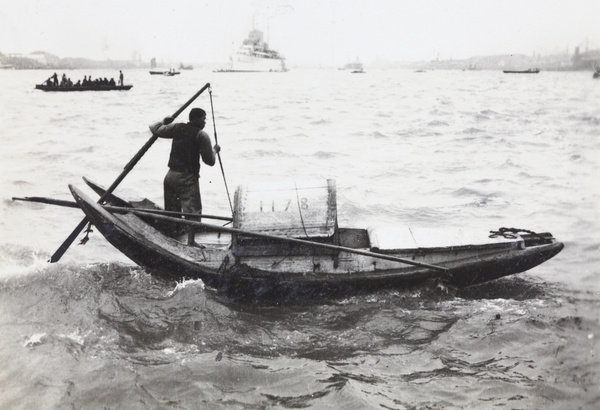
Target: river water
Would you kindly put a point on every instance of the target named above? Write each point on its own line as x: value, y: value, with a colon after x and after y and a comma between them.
x: 437, y: 148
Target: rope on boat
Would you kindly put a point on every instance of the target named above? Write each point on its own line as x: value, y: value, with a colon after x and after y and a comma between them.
x: 511, y: 233
x: 223, y: 266
x: 218, y: 153
x: 314, y: 251
x: 300, y: 210
x: 87, y: 231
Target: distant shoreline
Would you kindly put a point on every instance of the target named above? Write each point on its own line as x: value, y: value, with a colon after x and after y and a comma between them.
x: 559, y: 62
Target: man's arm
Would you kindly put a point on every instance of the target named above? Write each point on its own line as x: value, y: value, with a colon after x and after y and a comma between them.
x: 206, y: 150
x: 163, y: 128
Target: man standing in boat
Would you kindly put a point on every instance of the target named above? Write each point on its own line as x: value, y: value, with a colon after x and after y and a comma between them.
x: 120, y: 77
x: 190, y: 144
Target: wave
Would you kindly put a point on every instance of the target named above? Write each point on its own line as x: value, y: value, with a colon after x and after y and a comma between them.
x: 379, y: 135
x: 325, y: 154
x: 264, y: 153
x: 472, y: 130
x: 437, y: 123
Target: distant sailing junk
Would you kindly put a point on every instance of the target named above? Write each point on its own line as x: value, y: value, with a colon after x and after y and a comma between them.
x: 87, y: 84
x: 254, y: 55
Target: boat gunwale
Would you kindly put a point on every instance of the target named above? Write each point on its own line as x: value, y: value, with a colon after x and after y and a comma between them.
x: 481, y: 270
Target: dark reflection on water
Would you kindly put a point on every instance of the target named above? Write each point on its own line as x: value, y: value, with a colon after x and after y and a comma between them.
x: 514, y: 288
x: 147, y: 313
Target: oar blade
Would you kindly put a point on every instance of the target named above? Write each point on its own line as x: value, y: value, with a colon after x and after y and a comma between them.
x: 67, y: 243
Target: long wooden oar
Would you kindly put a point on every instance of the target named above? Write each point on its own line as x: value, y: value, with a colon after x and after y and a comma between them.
x: 50, y: 201
x: 291, y: 240
x: 65, y: 245
x: 120, y: 209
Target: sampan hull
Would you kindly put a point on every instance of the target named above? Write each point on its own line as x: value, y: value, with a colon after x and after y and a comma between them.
x: 226, y: 268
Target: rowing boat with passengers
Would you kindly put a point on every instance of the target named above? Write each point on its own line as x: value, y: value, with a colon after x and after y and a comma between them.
x: 95, y: 87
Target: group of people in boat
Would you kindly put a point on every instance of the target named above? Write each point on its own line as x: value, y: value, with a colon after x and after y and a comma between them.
x: 87, y: 81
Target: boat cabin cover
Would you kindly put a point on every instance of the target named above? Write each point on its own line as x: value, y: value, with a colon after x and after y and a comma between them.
x: 297, y: 210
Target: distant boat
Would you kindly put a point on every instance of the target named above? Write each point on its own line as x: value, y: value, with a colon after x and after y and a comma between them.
x: 529, y: 71
x: 186, y: 67
x: 168, y: 73
x: 254, y: 55
x: 44, y: 87
x: 354, y: 67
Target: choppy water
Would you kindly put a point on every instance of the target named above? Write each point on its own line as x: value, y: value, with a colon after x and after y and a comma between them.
x: 441, y: 148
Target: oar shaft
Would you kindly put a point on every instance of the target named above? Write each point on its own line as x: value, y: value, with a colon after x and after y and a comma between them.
x: 49, y: 201
x: 123, y: 210
x: 294, y: 240
x: 120, y: 209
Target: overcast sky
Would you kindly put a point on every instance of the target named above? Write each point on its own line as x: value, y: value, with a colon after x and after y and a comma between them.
x: 304, y: 31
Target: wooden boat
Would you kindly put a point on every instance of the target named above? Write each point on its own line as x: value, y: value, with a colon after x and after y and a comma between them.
x: 353, y: 66
x: 168, y: 73
x: 529, y: 71
x: 286, y: 240
x: 83, y: 88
